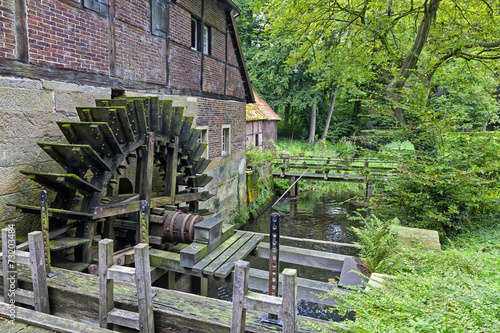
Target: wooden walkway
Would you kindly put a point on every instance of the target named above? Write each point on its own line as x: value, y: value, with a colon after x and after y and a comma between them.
x: 330, y: 177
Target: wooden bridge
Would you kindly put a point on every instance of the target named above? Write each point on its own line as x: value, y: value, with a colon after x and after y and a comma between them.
x: 346, y: 170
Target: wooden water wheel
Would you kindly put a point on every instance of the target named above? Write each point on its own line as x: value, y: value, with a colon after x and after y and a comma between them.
x: 122, y: 151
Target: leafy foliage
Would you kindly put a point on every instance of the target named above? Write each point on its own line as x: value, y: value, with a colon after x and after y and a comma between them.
x: 377, y: 244
x: 455, y: 290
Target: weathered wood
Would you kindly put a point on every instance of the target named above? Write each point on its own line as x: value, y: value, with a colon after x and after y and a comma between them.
x: 228, y: 265
x: 313, y: 241
x: 264, y: 303
x: 61, y: 182
x: 174, y: 311
x: 215, y: 253
x: 211, y: 268
x: 171, y: 169
x: 143, y: 283
x: 38, y: 273
x: 124, y: 318
x: 144, y: 222
x: 56, y: 213
x: 121, y: 273
x: 193, y: 253
x: 240, y: 289
x: 289, y: 310
x: 66, y: 243
x: 309, y: 258
x: 106, y: 292
x: 22, y: 48
x: 42, y: 322
x: 9, y: 264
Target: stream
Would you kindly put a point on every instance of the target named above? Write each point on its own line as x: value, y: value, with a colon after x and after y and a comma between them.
x: 313, y: 217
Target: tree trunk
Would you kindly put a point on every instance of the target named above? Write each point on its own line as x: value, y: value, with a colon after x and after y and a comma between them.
x: 287, y: 115
x: 312, y: 129
x: 331, y: 107
x: 410, y: 62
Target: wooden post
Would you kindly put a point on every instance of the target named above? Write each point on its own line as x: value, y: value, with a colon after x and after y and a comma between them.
x: 106, y: 296
x: 143, y: 280
x: 293, y: 190
x: 38, y: 273
x: 203, y: 286
x: 369, y: 191
x: 240, y: 288
x: 289, y: 310
x: 9, y: 263
x: 44, y: 212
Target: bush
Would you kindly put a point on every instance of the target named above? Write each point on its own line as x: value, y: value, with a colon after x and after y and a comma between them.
x: 455, y: 290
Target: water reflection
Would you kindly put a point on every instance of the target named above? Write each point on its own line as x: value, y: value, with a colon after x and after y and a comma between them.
x: 322, y: 218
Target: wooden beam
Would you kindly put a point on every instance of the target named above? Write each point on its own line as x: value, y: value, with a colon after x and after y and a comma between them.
x: 21, y: 31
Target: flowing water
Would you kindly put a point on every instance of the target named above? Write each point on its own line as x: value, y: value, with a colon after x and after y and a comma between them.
x: 321, y: 218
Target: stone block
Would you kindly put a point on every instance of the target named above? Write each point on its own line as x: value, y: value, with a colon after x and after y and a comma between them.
x: 15, y: 124
x: 56, y: 85
x: 24, y: 151
x: 28, y: 100
x: 409, y: 237
x: 193, y: 253
x: 69, y: 100
x: 20, y: 83
x: 12, y: 180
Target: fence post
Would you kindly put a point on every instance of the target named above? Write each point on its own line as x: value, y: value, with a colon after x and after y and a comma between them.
x: 289, y: 312
x: 38, y: 273
x: 143, y: 281
x: 240, y: 288
x: 106, y: 295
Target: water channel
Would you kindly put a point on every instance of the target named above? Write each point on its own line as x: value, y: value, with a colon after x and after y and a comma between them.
x: 313, y: 217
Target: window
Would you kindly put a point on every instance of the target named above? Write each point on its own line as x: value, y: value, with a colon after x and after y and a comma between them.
x: 207, y: 40
x: 201, y: 39
x: 159, y: 18
x: 226, y: 140
x: 100, y: 6
x: 203, y: 138
x: 194, y: 34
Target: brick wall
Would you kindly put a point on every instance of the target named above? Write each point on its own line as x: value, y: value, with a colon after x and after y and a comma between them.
x: 234, y: 82
x: 180, y: 27
x: 213, y: 75
x: 134, y: 12
x: 140, y: 56
x: 67, y: 37
x: 7, y: 27
x: 185, y: 68
x: 213, y: 14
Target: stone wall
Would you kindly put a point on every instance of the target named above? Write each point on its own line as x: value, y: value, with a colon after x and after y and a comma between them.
x: 29, y: 110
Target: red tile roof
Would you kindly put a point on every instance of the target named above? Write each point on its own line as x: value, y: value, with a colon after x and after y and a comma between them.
x: 260, y: 110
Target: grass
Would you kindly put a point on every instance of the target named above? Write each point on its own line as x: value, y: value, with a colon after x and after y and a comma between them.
x: 454, y: 290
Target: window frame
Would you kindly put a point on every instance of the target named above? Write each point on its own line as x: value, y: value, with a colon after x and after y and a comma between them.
x: 226, y: 146
x: 204, y: 139
x: 200, y: 41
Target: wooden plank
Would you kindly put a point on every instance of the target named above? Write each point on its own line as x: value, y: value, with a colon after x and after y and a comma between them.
x: 106, y: 293
x: 228, y: 265
x: 215, y: 253
x: 263, y: 303
x: 240, y: 289
x: 75, y: 156
x: 66, y: 243
x: 122, y: 273
x: 57, y: 213
x: 24, y: 296
x: 213, y: 266
x: 61, y: 182
x: 41, y: 321
x: 23, y: 258
x: 124, y: 318
x: 38, y: 272
x: 9, y: 261
x: 309, y: 258
x: 143, y: 283
x: 115, y: 209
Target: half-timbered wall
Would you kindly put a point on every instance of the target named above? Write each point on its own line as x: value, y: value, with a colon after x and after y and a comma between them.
x: 59, y: 54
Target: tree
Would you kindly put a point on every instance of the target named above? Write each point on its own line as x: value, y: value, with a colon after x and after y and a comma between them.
x: 403, y: 39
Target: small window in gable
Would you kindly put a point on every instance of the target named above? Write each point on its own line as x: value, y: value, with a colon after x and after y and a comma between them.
x: 100, y: 6
x: 159, y: 18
